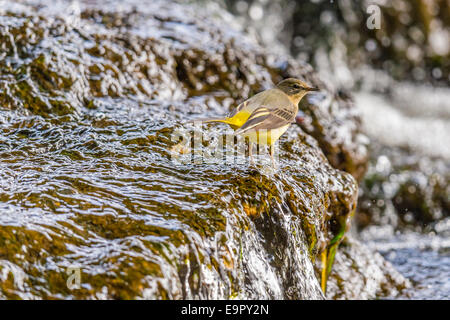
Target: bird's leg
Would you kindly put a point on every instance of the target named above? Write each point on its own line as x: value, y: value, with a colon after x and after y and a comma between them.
x: 250, y: 153
x: 272, y: 151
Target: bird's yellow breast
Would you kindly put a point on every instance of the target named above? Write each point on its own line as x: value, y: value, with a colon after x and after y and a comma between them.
x: 266, y: 137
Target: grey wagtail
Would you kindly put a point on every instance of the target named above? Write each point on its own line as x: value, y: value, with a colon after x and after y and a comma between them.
x: 264, y: 117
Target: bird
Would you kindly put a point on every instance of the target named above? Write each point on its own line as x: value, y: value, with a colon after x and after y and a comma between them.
x: 264, y: 117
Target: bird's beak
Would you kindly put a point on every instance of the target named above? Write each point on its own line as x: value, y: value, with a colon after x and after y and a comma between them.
x: 312, y: 89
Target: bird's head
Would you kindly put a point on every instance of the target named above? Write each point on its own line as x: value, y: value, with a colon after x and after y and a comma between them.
x: 295, y: 89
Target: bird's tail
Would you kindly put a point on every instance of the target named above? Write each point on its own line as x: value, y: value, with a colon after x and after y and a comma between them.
x: 207, y: 120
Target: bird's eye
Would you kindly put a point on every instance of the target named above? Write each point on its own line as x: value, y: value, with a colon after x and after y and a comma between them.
x: 296, y: 86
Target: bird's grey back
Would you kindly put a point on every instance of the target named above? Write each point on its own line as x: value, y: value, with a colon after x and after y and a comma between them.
x: 271, y: 99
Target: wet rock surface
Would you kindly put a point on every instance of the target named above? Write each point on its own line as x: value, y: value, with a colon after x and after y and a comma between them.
x: 89, y: 100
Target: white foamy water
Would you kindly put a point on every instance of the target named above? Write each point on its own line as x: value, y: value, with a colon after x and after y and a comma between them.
x: 413, y: 117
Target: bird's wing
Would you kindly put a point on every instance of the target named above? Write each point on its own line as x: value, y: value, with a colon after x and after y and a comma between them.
x: 254, y: 102
x: 238, y: 108
x: 264, y: 118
